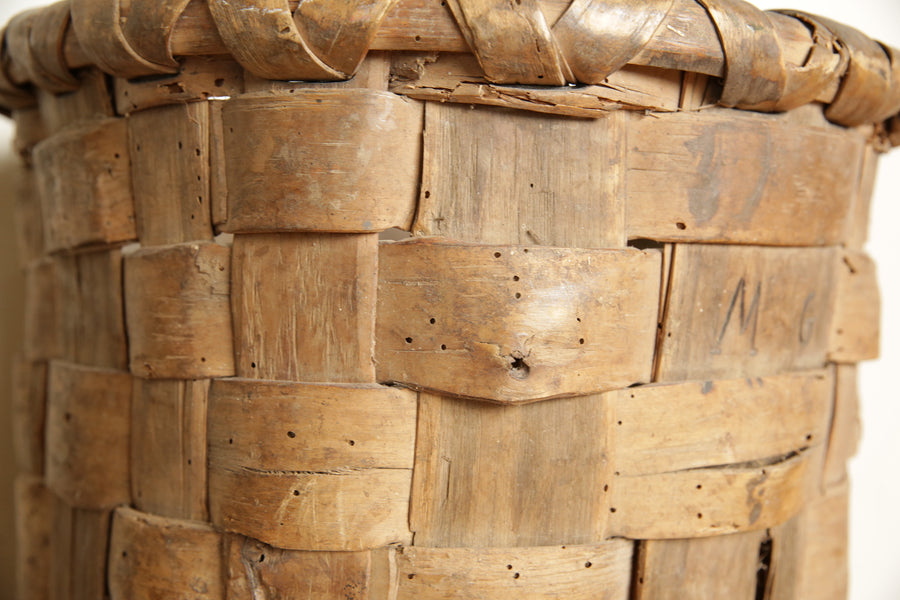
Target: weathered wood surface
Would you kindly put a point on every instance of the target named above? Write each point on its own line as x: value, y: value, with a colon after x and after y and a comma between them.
x: 511, y: 323
x: 509, y: 476
x: 87, y: 432
x: 168, y: 447
x: 745, y: 311
x: 48, y: 292
x: 311, y: 466
x: 600, y: 572
x: 79, y: 550
x: 855, y: 325
x: 519, y: 178
x: 153, y: 557
x: 659, y: 429
x: 29, y: 226
x: 858, y: 219
x: 315, y: 321
x: 29, y: 411
x: 712, y: 568
x: 718, y: 176
x: 33, y: 537
x: 169, y: 150
x: 256, y: 570
x: 843, y: 437
x: 90, y: 101
x: 85, y: 186
x: 179, y: 311
x: 321, y: 160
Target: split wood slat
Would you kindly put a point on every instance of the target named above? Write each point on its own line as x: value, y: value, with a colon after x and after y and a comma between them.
x: 595, y: 572
x: 256, y: 570
x: 79, y: 549
x: 519, y: 178
x: 844, y: 435
x: 711, y: 501
x: 713, y: 568
x: 675, y: 427
x: 513, y: 324
x: 854, y: 333
x: 198, y: 79
x: 34, y: 518
x: 218, y: 187
x: 373, y: 74
x: 746, y: 311
x: 90, y: 101
x: 169, y: 149
x: 154, y: 557
x: 179, y: 311
x: 714, y: 176
x: 818, y: 566
x: 87, y: 431
x: 858, y: 219
x: 168, y: 447
x: 315, y: 321
x: 30, y: 131
x: 49, y: 294
x: 96, y: 315
x: 510, y: 476
x: 311, y: 466
x: 29, y: 226
x: 29, y: 411
x: 85, y: 186
x: 321, y: 160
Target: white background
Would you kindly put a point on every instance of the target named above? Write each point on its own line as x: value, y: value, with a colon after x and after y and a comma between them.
x: 875, y: 473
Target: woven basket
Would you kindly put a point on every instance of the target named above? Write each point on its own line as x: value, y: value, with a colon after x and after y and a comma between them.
x: 425, y: 300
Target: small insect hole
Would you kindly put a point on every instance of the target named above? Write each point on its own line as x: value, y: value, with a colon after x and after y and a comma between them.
x: 291, y: 434
x: 409, y: 340
x: 516, y: 575
x: 180, y: 145
x: 588, y: 565
x: 515, y: 277
x: 262, y: 557
x: 681, y: 225
x: 518, y: 295
x: 202, y: 359
x: 411, y: 576
x: 605, y: 487
x: 219, y: 82
x: 431, y: 320
x: 296, y: 492
x: 699, y: 515
x: 581, y: 340
x: 230, y: 440
x: 496, y: 255
x: 352, y: 442
x: 612, y: 509
x: 699, y: 487
x: 509, y: 567
x: 253, y: 365
x: 443, y: 346
x: 418, y: 38
x: 427, y: 194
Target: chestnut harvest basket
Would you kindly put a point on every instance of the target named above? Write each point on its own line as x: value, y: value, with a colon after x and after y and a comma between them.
x: 420, y: 300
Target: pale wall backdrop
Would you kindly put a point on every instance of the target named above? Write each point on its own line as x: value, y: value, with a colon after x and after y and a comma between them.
x: 875, y: 473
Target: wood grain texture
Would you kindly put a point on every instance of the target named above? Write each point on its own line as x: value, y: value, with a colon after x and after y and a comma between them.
x: 49, y: 290
x: 711, y: 568
x: 90, y: 101
x: 179, y: 311
x: 256, y: 570
x: 169, y: 150
x: 85, y: 186
x: 29, y: 226
x: 168, y: 447
x: 79, y: 550
x: 510, y: 323
x: 510, y: 476
x: 321, y: 160
x: 29, y: 412
x: 34, y: 519
x: 519, y: 178
x: 745, y: 311
x: 304, y: 306
x: 845, y: 431
x: 673, y: 427
x: 717, y: 176
x: 600, y: 571
x: 855, y: 325
x: 311, y: 466
x: 153, y: 557
x: 88, y: 424
x: 858, y: 219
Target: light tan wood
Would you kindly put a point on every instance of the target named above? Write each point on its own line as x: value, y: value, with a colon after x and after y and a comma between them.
x: 152, y: 557
x: 218, y: 187
x: 256, y: 570
x: 521, y: 178
x: 85, y: 186
x: 509, y: 476
x: 79, y: 547
x: 711, y: 568
x: 321, y: 160
x: 718, y: 176
x: 703, y: 502
x: 87, y: 434
x: 600, y: 572
x: 198, y: 78
x: 666, y: 428
x: 315, y: 321
x: 95, y: 316
x: 168, y: 447
x: 511, y: 323
x: 311, y: 466
x: 458, y: 78
x: 29, y: 410
x: 169, y: 150
x: 34, y: 519
x: 745, y: 311
x: 855, y: 325
x: 90, y: 101
x: 844, y: 435
x: 858, y: 219
x: 374, y: 73
x: 179, y: 311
